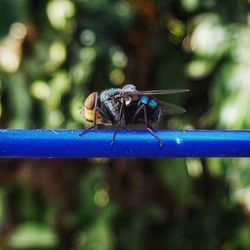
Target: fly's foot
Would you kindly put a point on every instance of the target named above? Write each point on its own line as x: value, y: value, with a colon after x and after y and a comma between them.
x: 113, y: 138
x: 86, y: 130
x: 119, y: 127
x: 150, y: 130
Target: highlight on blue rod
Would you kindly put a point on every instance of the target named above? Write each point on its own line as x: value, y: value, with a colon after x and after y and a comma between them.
x: 129, y: 144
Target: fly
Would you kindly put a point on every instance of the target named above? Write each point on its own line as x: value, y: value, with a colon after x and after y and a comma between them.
x: 127, y: 105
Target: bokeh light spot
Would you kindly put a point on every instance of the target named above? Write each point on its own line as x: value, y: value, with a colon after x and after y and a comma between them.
x: 18, y: 31
x: 88, y: 55
x: 55, y: 118
x: 118, y: 57
x: 60, y: 12
x: 199, y: 68
x: 190, y: 5
x: 123, y: 9
x: 75, y: 108
x: 60, y: 82
x: 209, y: 37
x: 57, y: 52
x: 117, y: 76
x: 40, y: 90
x: 9, y: 60
x: 101, y: 198
x: 194, y: 167
x: 87, y: 37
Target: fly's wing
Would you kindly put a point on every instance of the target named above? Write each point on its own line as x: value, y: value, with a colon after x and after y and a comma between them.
x: 170, y: 109
x: 162, y: 92
x: 167, y: 108
x: 129, y: 91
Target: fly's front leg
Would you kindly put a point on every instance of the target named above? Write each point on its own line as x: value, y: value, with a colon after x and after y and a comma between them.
x: 120, y: 122
x: 87, y: 129
x: 149, y: 128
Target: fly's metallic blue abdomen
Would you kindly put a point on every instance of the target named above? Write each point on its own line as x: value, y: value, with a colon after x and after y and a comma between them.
x: 153, y: 105
x: 147, y: 100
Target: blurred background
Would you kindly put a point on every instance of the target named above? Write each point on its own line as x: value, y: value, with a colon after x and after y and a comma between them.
x: 53, y: 53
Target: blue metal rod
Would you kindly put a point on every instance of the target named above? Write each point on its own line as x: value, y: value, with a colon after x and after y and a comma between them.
x: 129, y: 144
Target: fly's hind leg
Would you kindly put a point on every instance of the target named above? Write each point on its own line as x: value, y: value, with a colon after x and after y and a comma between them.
x: 149, y: 128
x: 137, y: 112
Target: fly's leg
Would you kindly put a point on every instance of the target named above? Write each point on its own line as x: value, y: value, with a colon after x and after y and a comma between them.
x: 113, y: 138
x: 94, y: 122
x: 86, y: 130
x: 137, y: 112
x: 149, y: 128
x: 120, y: 121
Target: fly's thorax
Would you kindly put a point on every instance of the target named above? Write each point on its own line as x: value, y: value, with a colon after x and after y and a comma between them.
x: 108, y: 102
x: 131, y: 99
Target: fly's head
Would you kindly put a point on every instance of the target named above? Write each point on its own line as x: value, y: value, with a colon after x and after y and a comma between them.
x: 88, y: 111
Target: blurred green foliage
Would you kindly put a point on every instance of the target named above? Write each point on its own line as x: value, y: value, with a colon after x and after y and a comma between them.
x: 53, y: 53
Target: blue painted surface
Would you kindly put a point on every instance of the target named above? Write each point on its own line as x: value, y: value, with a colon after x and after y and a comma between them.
x: 129, y: 143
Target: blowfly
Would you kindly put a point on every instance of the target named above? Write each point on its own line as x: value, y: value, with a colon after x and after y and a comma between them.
x: 127, y: 105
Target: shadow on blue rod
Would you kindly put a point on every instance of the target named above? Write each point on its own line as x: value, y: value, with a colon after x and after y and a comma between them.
x: 129, y: 144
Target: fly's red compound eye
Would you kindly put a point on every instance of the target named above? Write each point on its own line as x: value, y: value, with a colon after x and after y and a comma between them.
x: 89, y: 103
